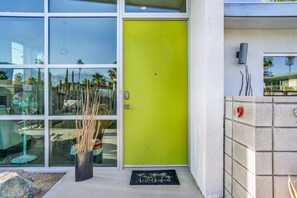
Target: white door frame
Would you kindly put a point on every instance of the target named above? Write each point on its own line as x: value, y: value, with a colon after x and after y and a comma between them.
x: 123, y: 16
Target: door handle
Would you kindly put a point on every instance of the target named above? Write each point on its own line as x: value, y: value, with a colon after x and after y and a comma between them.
x: 126, y: 106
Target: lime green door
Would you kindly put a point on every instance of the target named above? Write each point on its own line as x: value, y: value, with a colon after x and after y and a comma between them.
x: 155, y: 98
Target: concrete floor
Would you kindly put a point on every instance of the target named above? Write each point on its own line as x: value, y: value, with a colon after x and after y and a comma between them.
x: 115, y: 184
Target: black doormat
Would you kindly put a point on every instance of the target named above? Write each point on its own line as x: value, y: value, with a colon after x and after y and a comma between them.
x: 154, y: 177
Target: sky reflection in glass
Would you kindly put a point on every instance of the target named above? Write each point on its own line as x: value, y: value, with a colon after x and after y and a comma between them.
x: 21, y: 40
x: 21, y: 6
x: 82, y: 6
x: 164, y: 6
x: 89, y: 40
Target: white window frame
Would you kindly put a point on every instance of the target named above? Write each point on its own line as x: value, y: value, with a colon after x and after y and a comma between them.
x: 121, y: 15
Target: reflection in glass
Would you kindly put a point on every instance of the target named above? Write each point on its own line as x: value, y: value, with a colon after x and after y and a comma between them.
x: 21, y: 6
x: 62, y: 141
x: 90, y: 40
x: 280, y: 75
x: 21, y: 91
x: 66, y: 86
x: 21, y: 142
x: 83, y: 6
x: 174, y: 6
x: 21, y: 40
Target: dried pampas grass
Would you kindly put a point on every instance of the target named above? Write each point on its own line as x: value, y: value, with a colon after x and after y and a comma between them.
x: 87, y: 128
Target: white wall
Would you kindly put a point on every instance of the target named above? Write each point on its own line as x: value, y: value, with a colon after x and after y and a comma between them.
x: 260, y: 42
x: 207, y: 95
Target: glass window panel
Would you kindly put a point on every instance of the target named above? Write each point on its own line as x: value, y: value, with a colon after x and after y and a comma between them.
x: 21, y: 40
x: 174, y: 6
x: 21, y: 6
x: 83, y: 5
x: 66, y: 86
x: 21, y: 91
x: 21, y: 142
x: 83, y: 40
x: 280, y: 75
x: 62, y: 141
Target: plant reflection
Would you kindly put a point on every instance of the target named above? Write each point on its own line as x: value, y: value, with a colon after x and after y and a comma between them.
x: 66, y: 86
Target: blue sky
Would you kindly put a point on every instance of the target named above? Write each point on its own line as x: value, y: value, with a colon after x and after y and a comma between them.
x: 279, y: 66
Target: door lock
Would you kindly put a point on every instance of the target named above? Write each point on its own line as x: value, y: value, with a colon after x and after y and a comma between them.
x: 126, y: 106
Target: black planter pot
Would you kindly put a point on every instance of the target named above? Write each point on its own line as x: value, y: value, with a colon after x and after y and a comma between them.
x: 83, y: 166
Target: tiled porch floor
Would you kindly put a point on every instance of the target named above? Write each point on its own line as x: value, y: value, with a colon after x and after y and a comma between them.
x: 115, y: 184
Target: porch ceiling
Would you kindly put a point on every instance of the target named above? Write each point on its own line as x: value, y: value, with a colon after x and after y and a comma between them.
x: 260, y: 9
x: 261, y: 22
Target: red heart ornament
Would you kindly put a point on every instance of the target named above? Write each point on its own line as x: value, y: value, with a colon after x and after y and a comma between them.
x: 240, y: 111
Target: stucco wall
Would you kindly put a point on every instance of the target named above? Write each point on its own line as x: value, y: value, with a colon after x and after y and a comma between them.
x: 260, y: 42
x: 206, y: 81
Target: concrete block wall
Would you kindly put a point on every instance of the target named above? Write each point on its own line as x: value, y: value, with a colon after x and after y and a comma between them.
x: 260, y: 148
